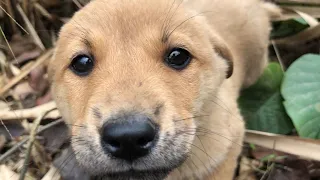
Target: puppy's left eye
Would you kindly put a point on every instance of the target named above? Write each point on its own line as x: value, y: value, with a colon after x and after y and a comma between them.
x: 178, y: 58
x: 82, y: 65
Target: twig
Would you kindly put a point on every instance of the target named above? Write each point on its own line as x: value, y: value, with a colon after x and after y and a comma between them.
x: 77, y: 3
x: 306, y: 148
x: 276, y: 50
x: 13, y: 20
x: 30, y: 144
x: 11, y: 15
x: 298, y: 4
x: 25, y: 6
x: 31, y: 29
x: 7, y: 42
x: 12, y: 150
x: 18, y: 145
x: 31, y: 113
x: 23, y: 74
x: 301, y: 37
x: 43, y: 11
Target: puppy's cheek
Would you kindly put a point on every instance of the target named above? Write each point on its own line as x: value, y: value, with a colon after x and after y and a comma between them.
x: 59, y: 96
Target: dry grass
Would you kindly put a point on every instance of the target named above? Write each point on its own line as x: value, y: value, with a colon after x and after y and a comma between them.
x: 29, y: 145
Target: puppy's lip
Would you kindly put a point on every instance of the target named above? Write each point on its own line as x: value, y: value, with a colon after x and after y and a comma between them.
x: 139, y: 174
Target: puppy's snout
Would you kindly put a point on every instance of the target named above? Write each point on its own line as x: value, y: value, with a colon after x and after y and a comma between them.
x: 129, y: 138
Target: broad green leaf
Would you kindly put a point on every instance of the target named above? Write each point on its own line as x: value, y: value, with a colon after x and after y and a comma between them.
x: 261, y: 104
x: 301, y: 91
x: 288, y: 27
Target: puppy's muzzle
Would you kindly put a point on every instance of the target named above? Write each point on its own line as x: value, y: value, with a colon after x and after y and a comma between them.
x: 129, y: 137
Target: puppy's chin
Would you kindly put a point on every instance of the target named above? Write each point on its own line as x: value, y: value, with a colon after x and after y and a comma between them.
x: 135, y: 175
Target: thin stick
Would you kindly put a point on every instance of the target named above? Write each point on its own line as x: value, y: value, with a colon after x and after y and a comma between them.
x: 13, y: 20
x: 77, y: 3
x: 305, y: 148
x: 276, y: 50
x: 10, y: 12
x: 23, y: 74
x: 18, y: 145
x: 43, y: 11
x: 8, y: 44
x: 31, y: 29
x: 31, y: 113
x: 30, y: 144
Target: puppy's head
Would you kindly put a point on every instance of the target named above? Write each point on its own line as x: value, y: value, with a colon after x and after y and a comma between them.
x: 131, y: 78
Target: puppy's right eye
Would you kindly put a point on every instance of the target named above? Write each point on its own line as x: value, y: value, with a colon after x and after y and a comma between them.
x: 82, y: 65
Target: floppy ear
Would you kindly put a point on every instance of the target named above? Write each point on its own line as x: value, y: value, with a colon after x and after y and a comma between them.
x: 222, y: 49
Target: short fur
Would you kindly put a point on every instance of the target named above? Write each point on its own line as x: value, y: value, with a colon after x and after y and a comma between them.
x: 201, y: 129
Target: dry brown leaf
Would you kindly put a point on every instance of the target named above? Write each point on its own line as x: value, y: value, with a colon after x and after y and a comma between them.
x: 22, y: 90
x: 27, y: 56
x: 37, y: 79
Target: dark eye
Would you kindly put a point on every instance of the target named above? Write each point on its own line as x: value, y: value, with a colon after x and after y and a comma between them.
x: 82, y: 65
x: 178, y: 58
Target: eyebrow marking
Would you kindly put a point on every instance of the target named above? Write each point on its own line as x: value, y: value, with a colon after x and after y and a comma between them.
x: 97, y: 113
x: 165, y: 36
x: 158, y: 109
x: 87, y: 43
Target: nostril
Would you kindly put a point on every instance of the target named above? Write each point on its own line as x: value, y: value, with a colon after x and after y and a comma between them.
x: 144, y: 142
x: 114, y: 143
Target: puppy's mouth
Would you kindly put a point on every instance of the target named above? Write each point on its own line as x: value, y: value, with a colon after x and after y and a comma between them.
x: 132, y: 148
x: 137, y: 174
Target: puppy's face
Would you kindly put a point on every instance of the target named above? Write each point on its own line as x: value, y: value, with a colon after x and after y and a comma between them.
x: 131, y: 78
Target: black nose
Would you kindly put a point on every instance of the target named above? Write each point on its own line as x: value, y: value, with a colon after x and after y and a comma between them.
x: 129, y: 138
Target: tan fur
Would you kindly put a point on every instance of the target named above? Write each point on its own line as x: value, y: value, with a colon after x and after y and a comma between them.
x: 126, y: 39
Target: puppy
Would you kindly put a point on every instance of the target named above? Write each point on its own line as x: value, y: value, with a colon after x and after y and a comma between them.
x: 150, y: 87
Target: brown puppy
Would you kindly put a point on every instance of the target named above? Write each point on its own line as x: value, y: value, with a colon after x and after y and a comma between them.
x: 151, y: 86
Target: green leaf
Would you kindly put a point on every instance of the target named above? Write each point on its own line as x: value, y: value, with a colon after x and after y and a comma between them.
x: 301, y: 91
x: 261, y: 104
x: 287, y: 28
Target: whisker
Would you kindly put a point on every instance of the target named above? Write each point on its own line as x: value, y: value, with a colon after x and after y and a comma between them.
x: 166, y: 36
x: 164, y: 23
x: 198, y: 116
x: 76, y: 125
x: 72, y: 155
x: 186, y: 21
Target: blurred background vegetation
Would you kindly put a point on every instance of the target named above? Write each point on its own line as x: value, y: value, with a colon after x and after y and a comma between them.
x: 282, y: 110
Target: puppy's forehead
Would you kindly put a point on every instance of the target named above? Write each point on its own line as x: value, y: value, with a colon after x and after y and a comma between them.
x: 126, y: 20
